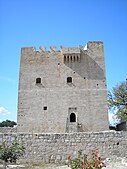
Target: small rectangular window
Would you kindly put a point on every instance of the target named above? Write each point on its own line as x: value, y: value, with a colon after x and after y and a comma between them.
x: 45, y: 107
x: 38, y: 80
x: 69, y: 79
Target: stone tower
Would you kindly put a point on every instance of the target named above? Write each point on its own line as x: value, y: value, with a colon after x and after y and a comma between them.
x: 62, y: 91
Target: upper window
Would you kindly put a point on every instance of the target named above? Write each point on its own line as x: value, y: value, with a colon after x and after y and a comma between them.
x: 38, y: 80
x: 69, y: 79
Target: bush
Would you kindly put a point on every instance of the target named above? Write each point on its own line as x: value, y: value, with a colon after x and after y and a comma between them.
x: 93, y: 161
x: 11, y: 152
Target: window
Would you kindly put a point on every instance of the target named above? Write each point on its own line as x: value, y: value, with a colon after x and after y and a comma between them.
x: 72, y: 117
x: 68, y: 58
x: 77, y: 58
x: 45, y: 108
x: 74, y: 58
x: 38, y: 80
x: 64, y: 58
x: 71, y: 58
x: 69, y: 79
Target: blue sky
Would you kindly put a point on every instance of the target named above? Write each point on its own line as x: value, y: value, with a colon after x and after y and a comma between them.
x: 59, y: 22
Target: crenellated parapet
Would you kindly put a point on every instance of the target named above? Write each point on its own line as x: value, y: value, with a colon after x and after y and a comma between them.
x: 64, y: 50
x: 42, y: 49
x: 69, y: 55
x: 28, y: 50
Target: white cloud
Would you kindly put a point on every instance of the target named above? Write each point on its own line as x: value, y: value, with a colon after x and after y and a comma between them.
x: 4, y: 111
x: 112, y: 118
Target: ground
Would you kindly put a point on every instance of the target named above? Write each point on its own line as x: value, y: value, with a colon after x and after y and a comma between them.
x: 115, y: 163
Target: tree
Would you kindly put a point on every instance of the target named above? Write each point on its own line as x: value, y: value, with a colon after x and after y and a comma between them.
x: 8, y: 123
x: 11, y: 152
x: 117, y: 101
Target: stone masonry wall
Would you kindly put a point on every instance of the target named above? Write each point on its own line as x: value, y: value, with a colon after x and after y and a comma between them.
x: 57, y: 147
x: 8, y: 129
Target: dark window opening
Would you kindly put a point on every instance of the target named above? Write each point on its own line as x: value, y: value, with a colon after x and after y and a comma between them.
x: 38, y: 80
x: 78, y: 58
x: 58, y: 63
x: 72, y: 117
x: 45, y: 107
x: 84, y: 77
x: 97, y: 84
x: 74, y: 58
x: 71, y: 58
x: 64, y: 58
x: 69, y: 79
x: 68, y: 58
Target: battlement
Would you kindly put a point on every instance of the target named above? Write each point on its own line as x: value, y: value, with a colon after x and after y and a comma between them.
x: 94, y: 44
x: 53, y: 49
x: 63, y: 50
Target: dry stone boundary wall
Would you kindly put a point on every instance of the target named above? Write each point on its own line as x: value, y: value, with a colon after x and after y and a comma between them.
x: 57, y: 147
x: 8, y: 129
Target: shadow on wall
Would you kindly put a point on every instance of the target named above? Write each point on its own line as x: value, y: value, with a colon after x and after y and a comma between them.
x: 86, y: 67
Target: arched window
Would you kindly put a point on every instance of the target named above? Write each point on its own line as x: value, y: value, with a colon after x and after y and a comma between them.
x: 38, y: 80
x: 69, y: 79
x: 72, y: 117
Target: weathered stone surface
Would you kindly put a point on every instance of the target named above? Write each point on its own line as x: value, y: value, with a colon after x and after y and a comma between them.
x: 8, y: 129
x: 57, y: 147
x: 47, y: 103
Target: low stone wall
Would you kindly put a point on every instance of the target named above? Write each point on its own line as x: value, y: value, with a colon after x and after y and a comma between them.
x: 57, y: 147
x: 8, y: 129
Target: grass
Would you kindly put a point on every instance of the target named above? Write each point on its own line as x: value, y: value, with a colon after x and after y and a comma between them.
x: 32, y: 165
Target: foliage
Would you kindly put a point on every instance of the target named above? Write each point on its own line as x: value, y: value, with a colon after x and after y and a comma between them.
x: 11, y: 152
x: 83, y: 161
x: 8, y: 123
x: 117, y: 101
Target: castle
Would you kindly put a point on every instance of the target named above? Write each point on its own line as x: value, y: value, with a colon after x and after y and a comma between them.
x: 62, y: 91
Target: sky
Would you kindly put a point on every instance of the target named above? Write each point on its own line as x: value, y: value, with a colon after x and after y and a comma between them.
x: 68, y: 23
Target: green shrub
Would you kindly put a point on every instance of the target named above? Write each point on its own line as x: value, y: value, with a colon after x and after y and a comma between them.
x: 11, y: 152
